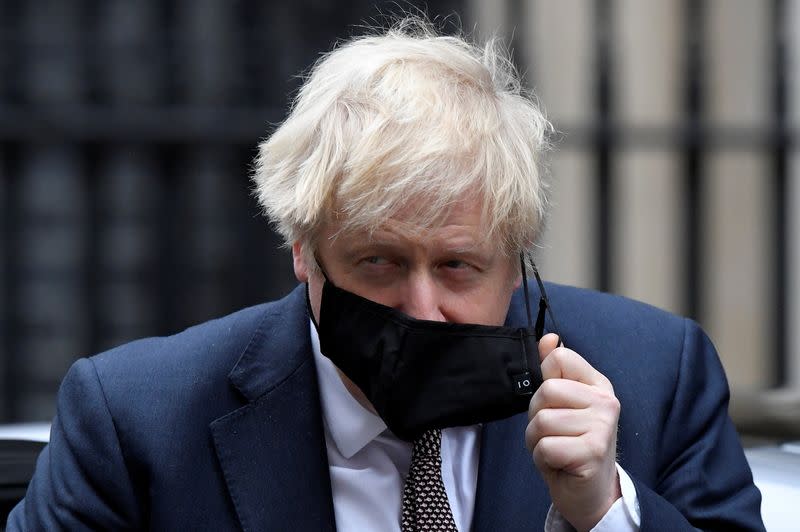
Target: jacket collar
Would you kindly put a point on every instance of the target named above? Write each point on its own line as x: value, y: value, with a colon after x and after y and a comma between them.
x: 272, y: 449
x: 511, y: 495
x: 277, y: 348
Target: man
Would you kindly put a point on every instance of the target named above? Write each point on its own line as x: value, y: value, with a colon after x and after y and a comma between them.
x: 399, y: 386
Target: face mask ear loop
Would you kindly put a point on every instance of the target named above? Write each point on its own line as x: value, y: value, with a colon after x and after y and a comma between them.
x: 310, y: 311
x: 546, y: 303
x: 538, y: 327
x: 525, y: 376
x: 321, y: 269
x: 525, y: 288
x: 308, y: 296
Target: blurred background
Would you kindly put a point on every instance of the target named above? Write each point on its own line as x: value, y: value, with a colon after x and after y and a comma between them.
x: 128, y: 128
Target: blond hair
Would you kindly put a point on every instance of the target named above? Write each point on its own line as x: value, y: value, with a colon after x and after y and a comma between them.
x: 407, y: 120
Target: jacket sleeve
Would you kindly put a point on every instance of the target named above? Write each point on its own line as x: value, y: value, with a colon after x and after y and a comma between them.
x: 704, y: 480
x: 81, y: 480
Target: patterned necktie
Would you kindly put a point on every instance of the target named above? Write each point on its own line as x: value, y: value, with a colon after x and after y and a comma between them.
x: 425, y: 505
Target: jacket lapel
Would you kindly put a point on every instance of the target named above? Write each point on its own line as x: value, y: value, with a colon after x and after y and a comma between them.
x: 272, y: 450
x: 511, y: 494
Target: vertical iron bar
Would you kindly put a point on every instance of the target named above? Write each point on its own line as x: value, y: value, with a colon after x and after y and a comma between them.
x: 694, y: 141
x: 7, y: 231
x: 778, y: 200
x: 91, y: 262
x: 168, y: 278
x: 516, y: 21
x: 168, y: 283
x: 603, y: 142
x: 11, y: 389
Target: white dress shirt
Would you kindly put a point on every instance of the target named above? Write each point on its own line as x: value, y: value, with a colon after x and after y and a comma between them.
x: 368, y: 465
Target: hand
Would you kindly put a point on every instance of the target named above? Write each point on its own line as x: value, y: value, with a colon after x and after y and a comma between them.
x: 572, y: 433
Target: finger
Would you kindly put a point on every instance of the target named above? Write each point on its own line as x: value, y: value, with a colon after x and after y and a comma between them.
x: 554, y: 453
x: 557, y: 422
x: 561, y: 393
x: 546, y: 344
x: 563, y: 363
x: 564, y: 453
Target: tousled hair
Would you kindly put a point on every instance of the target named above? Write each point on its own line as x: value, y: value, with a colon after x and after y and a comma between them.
x: 413, y: 121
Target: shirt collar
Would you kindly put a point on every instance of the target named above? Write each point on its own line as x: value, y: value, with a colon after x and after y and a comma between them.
x: 351, y: 426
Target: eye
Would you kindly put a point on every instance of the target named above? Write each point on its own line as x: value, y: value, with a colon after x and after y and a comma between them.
x: 455, y: 264
x: 375, y: 260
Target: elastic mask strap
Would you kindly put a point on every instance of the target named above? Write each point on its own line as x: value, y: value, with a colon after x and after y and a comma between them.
x: 311, y: 312
x: 308, y: 296
x: 525, y: 290
x: 538, y: 328
x: 319, y: 265
x: 544, y: 303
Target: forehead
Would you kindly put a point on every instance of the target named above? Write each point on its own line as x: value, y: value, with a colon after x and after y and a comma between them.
x: 462, y: 228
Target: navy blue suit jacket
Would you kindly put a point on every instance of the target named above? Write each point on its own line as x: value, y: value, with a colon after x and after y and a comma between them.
x: 219, y: 428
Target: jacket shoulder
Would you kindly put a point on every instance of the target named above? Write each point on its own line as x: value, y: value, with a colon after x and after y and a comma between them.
x: 190, y: 369
x: 621, y: 337
x: 208, y: 347
x: 609, y: 312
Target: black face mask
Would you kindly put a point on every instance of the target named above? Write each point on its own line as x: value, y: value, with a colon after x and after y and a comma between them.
x: 421, y: 374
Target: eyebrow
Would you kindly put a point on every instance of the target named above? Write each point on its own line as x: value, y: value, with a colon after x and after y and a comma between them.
x: 465, y: 245
x: 368, y: 246
x: 471, y: 253
x: 381, y: 240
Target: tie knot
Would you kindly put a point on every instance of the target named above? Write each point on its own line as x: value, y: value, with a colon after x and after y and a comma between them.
x: 428, y: 445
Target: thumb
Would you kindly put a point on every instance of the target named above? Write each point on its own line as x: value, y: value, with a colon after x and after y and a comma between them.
x: 546, y: 344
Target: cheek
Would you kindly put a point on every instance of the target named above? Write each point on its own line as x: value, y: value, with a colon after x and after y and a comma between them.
x: 488, y: 306
x: 499, y: 298
x: 500, y: 309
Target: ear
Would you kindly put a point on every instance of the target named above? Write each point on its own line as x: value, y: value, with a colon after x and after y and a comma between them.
x: 299, y: 261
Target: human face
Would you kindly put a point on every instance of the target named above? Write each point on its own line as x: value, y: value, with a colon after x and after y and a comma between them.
x: 449, y: 273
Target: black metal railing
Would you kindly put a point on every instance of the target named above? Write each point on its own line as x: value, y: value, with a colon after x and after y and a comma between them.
x: 127, y: 131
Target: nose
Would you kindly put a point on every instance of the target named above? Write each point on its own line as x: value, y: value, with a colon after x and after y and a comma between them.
x: 422, y: 298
